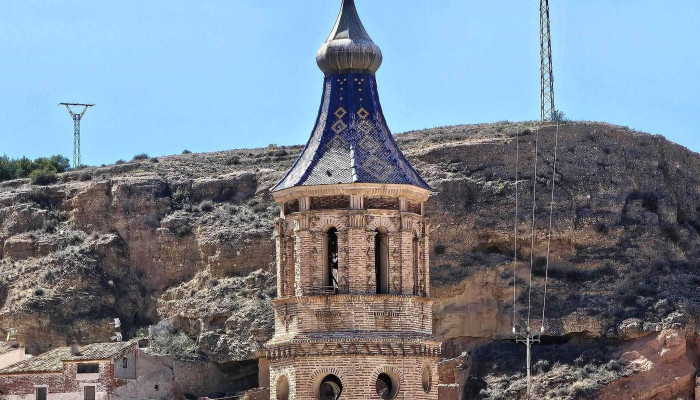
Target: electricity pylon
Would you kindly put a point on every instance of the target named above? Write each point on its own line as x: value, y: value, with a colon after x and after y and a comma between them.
x: 547, y: 78
x: 76, y: 128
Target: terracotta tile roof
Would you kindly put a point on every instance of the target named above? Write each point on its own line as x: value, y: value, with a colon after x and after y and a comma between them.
x: 52, y: 361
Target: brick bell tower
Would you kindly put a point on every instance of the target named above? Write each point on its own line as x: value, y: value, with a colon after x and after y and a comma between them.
x: 353, y: 317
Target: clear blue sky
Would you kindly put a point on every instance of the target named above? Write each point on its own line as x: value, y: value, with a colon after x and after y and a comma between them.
x: 209, y: 75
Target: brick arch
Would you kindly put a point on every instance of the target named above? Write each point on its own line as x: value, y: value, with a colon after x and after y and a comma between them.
x: 394, y: 373
x: 320, y: 373
x: 389, y: 370
x: 330, y: 222
x: 381, y: 222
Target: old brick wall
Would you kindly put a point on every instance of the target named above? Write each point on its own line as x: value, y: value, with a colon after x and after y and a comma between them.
x: 300, y: 253
x: 66, y: 381
x: 358, y: 375
x: 351, y: 331
x: 378, y: 313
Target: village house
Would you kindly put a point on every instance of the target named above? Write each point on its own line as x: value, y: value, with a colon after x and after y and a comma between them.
x: 88, y: 372
x: 10, y: 353
x: 101, y: 371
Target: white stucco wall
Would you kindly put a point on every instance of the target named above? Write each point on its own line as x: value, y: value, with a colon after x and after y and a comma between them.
x: 150, y: 371
x: 12, y: 357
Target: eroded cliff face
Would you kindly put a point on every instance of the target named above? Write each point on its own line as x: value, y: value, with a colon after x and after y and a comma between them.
x: 188, y: 238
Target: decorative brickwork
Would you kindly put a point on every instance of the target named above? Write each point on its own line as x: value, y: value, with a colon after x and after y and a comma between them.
x: 413, y: 207
x: 291, y: 206
x: 349, y: 333
x: 386, y: 203
x: 330, y: 202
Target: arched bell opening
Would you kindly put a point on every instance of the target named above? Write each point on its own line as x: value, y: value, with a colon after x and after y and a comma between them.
x: 330, y: 260
x: 381, y: 260
x: 415, y: 260
x: 387, y: 386
x: 329, y: 388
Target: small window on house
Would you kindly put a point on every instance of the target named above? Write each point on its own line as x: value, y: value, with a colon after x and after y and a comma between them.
x: 88, y: 368
x: 89, y: 393
x: 381, y: 260
x: 125, y: 362
x: 41, y: 393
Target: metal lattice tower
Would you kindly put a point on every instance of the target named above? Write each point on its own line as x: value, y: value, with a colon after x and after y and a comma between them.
x: 547, y: 78
x: 76, y: 128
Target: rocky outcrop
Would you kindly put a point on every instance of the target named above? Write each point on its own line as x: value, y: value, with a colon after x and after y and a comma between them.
x: 231, y: 317
x: 665, y: 365
x: 147, y: 240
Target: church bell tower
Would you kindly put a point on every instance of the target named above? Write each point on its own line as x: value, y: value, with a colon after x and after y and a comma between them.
x: 353, y: 315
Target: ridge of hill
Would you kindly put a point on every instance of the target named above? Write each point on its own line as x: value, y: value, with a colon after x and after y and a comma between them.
x: 187, y: 239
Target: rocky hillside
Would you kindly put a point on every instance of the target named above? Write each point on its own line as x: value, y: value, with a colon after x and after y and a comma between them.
x: 187, y: 239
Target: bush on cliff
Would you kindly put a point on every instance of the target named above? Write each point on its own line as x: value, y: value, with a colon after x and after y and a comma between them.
x: 43, y: 176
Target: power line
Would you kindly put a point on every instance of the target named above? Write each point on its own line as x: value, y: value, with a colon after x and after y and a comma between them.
x: 549, y: 233
x: 517, y: 219
x: 547, y: 113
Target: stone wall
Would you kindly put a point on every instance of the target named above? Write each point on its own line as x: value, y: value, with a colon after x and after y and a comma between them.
x: 256, y: 394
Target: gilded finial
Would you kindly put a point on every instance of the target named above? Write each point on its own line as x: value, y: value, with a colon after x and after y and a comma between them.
x: 348, y: 48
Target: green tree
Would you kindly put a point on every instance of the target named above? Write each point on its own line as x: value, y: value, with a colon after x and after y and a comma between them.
x: 42, y: 169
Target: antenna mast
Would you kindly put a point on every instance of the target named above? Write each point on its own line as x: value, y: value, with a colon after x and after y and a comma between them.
x: 76, y: 128
x: 547, y: 78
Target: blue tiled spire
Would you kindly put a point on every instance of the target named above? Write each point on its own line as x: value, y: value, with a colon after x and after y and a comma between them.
x: 351, y: 142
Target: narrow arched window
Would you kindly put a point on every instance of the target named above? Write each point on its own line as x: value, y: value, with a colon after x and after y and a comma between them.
x: 416, y: 282
x: 381, y: 260
x: 287, y: 284
x: 330, y: 259
x: 282, y: 388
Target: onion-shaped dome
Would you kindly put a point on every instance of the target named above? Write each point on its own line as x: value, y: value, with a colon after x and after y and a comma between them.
x: 348, y: 48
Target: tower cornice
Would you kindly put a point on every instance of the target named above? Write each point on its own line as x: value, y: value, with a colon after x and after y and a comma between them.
x: 410, y: 192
